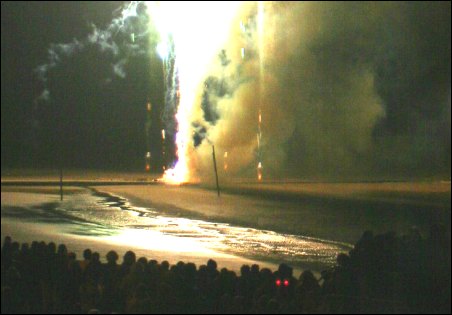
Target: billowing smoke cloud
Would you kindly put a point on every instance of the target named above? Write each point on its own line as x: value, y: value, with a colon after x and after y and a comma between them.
x: 121, y: 39
x: 347, y: 90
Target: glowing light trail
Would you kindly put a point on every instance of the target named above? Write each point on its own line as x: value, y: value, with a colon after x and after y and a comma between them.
x: 260, y: 34
x: 199, y: 31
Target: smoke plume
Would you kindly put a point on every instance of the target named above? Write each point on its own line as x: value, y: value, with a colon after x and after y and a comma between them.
x: 346, y: 90
x: 121, y: 39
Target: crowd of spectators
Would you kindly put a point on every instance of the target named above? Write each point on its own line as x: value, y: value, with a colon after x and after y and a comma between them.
x: 383, y: 273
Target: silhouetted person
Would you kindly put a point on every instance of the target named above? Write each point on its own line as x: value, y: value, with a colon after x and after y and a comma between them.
x: 74, y: 281
x: 6, y: 248
x: 128, y: 260
x: 308, y: 293
x: 89, y: 292
x: 60, y: 279
x: 87, y: 253
x: 110, y: 282
x: 139, y: 302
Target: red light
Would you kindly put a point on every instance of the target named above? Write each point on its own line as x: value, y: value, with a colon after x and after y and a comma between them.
x: 278, y: 282
x: 286, y: 283
x: 148, y: 167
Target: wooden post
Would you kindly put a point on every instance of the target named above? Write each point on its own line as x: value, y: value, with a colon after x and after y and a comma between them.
x: 61, y: 183
x: 215, y: 168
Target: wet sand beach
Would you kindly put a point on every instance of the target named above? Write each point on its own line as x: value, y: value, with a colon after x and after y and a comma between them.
x: 247, y: 223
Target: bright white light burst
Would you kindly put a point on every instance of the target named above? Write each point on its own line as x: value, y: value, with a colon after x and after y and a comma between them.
x: 199, y: 31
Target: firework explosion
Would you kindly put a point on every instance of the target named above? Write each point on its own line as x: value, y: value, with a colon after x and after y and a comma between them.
x: 197, y: 31
x: 190, y: 37
x: 287, y: 89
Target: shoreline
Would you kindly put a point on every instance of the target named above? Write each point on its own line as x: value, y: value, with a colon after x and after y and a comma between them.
x: 243, y: 209
x: 306, y: 207
x: 435, y: 193
x: 308, y: 215
x: 24, y: 231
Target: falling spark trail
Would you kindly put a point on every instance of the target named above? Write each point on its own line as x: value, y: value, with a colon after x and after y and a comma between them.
x: 260, y: 33
x: 210, y: 22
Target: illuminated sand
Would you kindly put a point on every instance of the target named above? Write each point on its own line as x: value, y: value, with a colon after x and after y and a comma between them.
x: 192, y: 223
x: 28, y: 232
x: 339, y: 212
x: 116, y: 221
x: 143, y: 243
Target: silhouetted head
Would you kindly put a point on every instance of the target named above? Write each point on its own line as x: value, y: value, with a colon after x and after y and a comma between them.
x: 343, y: 260
x: 95, y: 257
x: 189, y: 270
x: 51, y: 248
x: 24, y: 248
x: 35, y: 248
x: 72, y: 256
x: 42, y: 245
x: 129, y: 258
x: 152, y: 263
x: 165, y: 265
x: 190, y: 267
x: 266, y: 273
x: 285, y: 271
x: 143, y: 261
x: 112, y: 257
x: 245, y: 270
x: 202, y: 269
x: 15, y: 246
x: 255, y: 268
x: 62, y: 250
x: 41, y: 248
x: 212, y: 264
x: 8, y: 240
x: 137, y: 268
x: 87, y: 253
x: 180, y: 264
x: 308, y: 280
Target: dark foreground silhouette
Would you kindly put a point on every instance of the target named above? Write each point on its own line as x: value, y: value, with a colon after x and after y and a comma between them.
x: 382, y: 274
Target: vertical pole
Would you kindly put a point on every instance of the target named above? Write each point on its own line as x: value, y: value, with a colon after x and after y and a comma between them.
x: 60, y: 139
x: 61, y: 183
x: 215, y: 168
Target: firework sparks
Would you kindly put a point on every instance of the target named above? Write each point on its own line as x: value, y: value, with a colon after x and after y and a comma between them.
x: 198, y: 30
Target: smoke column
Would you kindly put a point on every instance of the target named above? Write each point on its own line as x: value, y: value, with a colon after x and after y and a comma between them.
x: 323, y: 76
x: 333, y: 90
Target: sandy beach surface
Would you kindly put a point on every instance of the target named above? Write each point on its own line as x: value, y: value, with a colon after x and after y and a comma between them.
x: 23, y: 227
x: 339, y: 212
x: 325, y: 217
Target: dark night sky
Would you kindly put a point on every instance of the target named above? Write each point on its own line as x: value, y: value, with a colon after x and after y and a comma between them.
x: 102, y: 115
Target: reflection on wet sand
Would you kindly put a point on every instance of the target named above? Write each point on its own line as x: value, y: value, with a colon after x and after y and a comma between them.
x: 149, y: 228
